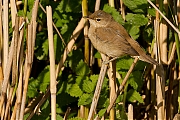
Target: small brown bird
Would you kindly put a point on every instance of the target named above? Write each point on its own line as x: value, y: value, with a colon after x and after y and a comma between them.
x: 112, y: 39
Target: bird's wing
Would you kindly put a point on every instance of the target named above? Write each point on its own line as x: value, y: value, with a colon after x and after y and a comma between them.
x: 114, y: 39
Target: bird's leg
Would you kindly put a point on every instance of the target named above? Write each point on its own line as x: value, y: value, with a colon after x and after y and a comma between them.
x: 106, y: 62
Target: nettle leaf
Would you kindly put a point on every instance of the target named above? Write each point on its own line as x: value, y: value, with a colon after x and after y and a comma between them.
x: 30, y: 4
x: 44, y: 79
x: 82, y: 68
x: 97, y: 55
x: 135, y: 80
x: 133, y: 31
x: 152, y: 11
x: 124, y: 63
x: 80, y: 79
x: 136, y: 19
x: 133, y: 95
x: 58, y: 47
x: 137, y: 6
x: 74, y: 57
x: 32, y: 88
x: 75, y: 91
x: 115, y: 14
x: 85, y: 99
x: 102, y: 112
x: 88, y: 86
x: 69, y: 6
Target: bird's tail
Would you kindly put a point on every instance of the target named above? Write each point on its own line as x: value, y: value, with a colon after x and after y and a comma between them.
x: 148, y: 59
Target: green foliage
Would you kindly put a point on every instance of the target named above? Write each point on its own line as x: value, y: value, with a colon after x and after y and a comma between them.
x: 76, y: 83
x: 135, y: 19
x: 82, y: 69
x: 137, y: 6
x: 133, y: 95
x: 75, y: 91
x: 117, y: 17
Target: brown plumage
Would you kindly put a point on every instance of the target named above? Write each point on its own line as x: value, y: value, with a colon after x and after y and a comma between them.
x: 112, y: 39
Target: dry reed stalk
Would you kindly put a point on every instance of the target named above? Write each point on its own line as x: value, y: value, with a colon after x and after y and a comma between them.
x: 112, y: 79
x: 111, y: 3
x: 5, y: 34
x: 6, y: 76
x: 14, y: 67
x: 84, y: 109
x: 97, y: 5
x: 16, y: 110
x: 29, y: 55
x: 1, y: 39
x: 172, y: 54
x: 122, y: 9
x: 98, y: 89
x: 44, y: 97
x: 160, y: 87
x: 13, y: 12
x: 52, y: 63
x: 20, y: 51
x: 112, y: 86
x: 122, y: 84
x: 86, y: 40
x: 130, y: 112
x: 27, y: 72
x: 67, y: 113
x: 5, y: 51
x: 163, y: 35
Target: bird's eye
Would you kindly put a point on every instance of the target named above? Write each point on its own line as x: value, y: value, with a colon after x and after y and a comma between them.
x: 98, y: 19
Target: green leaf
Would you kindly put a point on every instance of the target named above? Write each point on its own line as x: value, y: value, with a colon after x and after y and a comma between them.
x: 115, y: 14
x: 133, y: 31
x: 137, y: 6
x: 82, y: 68
x: 85, y: 99
x: 32, y: 88
x: 124, y: 63
x: 69, y: 6
x: 44, y: 79
x: 136, y: 19
x: 101, y: 112
x: 135, y: 79
x: 97, y: 55
x: 88, y: 86
x: 75, y: 91
x: 152, y: 11
x: 74, y: 57
x: 133, y: 95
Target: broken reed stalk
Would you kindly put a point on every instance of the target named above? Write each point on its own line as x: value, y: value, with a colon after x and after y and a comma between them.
x: 98, y: 89
x: 52, y: 63
x: 122, y: 84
